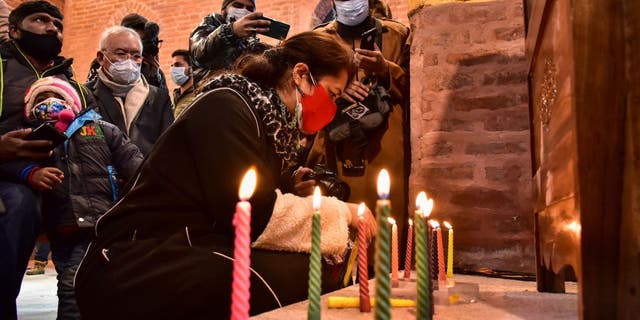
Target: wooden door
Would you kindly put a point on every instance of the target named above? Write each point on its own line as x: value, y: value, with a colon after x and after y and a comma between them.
x: 583, y: 79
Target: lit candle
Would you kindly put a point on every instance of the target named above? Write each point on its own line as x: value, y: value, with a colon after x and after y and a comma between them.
x: 408, y: 253
x: 441, y: 272
x: 422, y: 258
x: 449, y: 251
x: 394, y: 253
x: 435, y: 266
x: 241, y: 251
x: 363, y: 272
x: 383, y: 248
x: 315, y: 262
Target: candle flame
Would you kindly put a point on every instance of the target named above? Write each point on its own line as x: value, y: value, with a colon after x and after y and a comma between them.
x: 448, y: 225
x: 361, y: 208
x: 574, y: 227
x: 428, y: 208
x: 421, y: 202
x: 248, y: 185
x: 383, y: 184
x: 410, y: 222
x: 391, y: 220
x: 316, y: 199
x: 434, y: 224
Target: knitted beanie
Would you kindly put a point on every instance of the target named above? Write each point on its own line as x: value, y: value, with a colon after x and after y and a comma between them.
x: 55, y: 85
x: 225, y: 3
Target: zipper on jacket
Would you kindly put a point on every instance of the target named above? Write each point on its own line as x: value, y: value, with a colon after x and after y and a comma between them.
x: 112, y: 179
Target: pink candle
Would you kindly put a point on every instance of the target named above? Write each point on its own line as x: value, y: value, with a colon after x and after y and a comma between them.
x: 407, y: 257
x: 241, y: 252
x: 442, y: 276
x: 394, y: 253
x: 363, y: 272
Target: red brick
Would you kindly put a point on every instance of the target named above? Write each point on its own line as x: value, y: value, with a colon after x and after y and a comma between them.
x: 457, y: 172
x: 492, y: 148
x: 512, y: 119
x: 508, y: 173
x: 478, y: 197
x: 510, y: 33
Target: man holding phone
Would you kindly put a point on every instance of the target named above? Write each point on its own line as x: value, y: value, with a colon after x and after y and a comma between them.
x: 381, y: 51
x: 222, y: 37
x: 35, y: 31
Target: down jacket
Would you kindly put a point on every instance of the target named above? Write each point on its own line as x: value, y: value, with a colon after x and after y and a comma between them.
x: 96, y: 154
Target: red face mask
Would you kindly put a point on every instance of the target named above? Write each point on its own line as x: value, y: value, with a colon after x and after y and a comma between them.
x: 316, y: 110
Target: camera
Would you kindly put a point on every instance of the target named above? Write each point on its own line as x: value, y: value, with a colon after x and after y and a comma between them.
x: 329, y: 183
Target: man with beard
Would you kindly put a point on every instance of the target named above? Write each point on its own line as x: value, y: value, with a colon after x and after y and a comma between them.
x: 35, y: 30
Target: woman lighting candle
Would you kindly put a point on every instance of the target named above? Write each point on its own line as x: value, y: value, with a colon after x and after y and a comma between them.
x: 383, y: 248
x: 241, y: 251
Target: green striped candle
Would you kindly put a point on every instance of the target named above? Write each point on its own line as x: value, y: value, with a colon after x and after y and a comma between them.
x: 315, y: 262
x: 383, y: 249
x: 422, y: 258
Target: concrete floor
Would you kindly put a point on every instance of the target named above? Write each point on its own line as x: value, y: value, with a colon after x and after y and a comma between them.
x: 37, y: 299
x: 493, y: 298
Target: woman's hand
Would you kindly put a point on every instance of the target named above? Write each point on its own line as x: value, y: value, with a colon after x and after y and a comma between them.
x: 302, y: 187
x: 370, y: 225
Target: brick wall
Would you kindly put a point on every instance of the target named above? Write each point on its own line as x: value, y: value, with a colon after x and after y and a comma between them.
x: 470, y: 129
x: 86, y: 19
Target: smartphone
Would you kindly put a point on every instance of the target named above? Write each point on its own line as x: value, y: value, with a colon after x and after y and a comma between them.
x: 47, y: 132
x: 368, y: 38
x: 277, y: 29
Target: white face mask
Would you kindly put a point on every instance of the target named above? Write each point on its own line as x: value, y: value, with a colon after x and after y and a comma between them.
x: 234, y: 13
x: 124, y: 72
x: 178, y: 75
x: 353, y: 12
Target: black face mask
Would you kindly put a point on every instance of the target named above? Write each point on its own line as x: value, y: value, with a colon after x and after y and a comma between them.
x: 40, y: 46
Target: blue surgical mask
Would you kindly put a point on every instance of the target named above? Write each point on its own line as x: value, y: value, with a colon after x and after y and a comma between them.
x: 124, y: 72
x: 178, y: 75
x: 234, y: 13
x: 352, y: 13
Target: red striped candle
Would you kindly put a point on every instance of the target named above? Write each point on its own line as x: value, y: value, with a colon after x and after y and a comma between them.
x: 241, y: 251
x: 408, y: 253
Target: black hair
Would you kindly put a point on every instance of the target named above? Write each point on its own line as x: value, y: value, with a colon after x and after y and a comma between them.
x: 27, y: 8
x: 320, y: 51
x: 184, y: 53
x: 134, y: 21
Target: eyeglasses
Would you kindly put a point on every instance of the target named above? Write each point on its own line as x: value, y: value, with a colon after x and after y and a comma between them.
x: 239, y: 5
x: 122, y: 55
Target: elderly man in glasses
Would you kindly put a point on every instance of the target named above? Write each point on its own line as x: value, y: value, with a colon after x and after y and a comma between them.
x: 125, y: 97
x: 222, y: 37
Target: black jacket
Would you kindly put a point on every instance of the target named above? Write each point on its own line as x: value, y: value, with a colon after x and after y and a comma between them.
x: 18, y: 75
x: 153, y: 119
x: 94, y: 157
x: 173, y: 232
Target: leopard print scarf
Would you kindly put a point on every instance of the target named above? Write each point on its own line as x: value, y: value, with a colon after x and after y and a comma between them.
x: 281, y: 126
